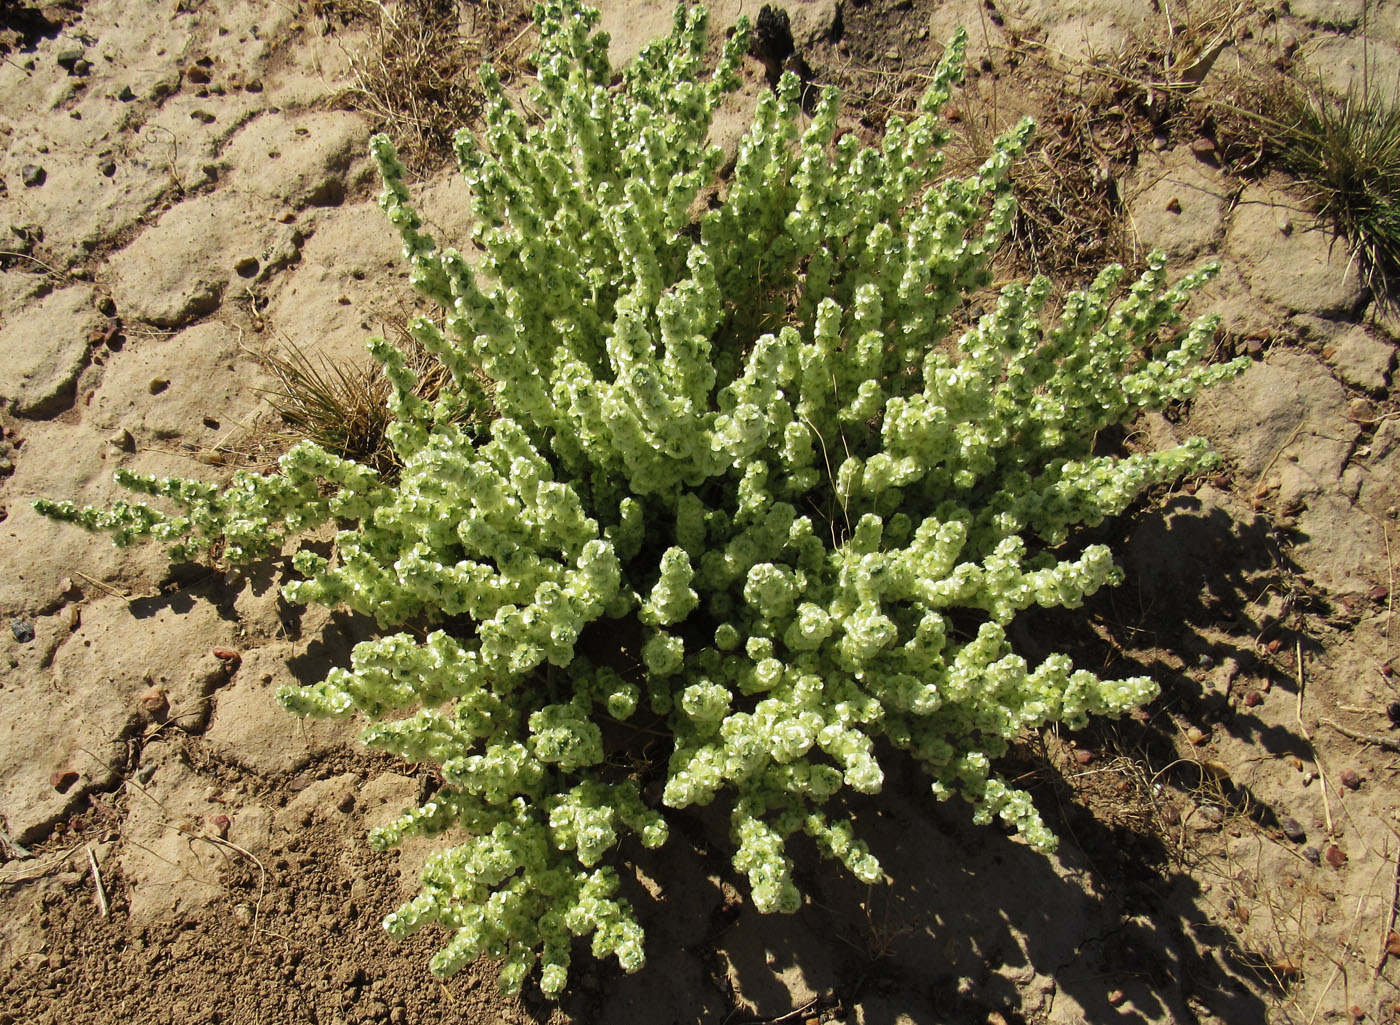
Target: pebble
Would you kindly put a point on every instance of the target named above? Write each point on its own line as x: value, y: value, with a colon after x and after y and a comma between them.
x: 68, y: 58
x: 33, y: 175
x: 1350, y: 779
x: 123, y: 440
x: 1313, y: 854
x: 108, y: 168
x: 1083, y: 757
x: 1293, y: 829
x: 126, y: 95
x: 158, y: 385
x: 204, y: 117
x: 153, y: 700
x: 63, y: 779
x: 1336, y: 857
x: 22, y: 629
x: 197, y: 74
x: 1196, y: 735
x: 1252, y: 698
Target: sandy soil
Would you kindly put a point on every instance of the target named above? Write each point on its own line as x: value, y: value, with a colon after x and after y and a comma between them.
x: 184, y: 182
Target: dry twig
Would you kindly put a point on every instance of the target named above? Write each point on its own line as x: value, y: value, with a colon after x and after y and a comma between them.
x: 97, y: 883
x: 1386, y: 743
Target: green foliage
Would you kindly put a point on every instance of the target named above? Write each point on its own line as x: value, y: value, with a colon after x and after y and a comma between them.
x: 747, y: 493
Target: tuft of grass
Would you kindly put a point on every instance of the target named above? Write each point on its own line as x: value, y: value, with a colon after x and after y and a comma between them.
x: 417, y: 78
x: 344, y: 406
x: 1346, y: 150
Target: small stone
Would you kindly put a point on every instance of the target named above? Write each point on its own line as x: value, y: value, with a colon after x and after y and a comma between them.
x: 197, y: 74
x: 1293, y: 829
x: 68, y: 58
x: 1392, y: 943
x: 123, y: 440
x: 81, y: 69
x: 1204, y: 149
x: 227, y: 655
x: 1252, y: 698
x: 33, y: 175
x: 158, y: 385
x: 22, y: 630
x: 1173, y: 205
x: 218, y: 825
x: 1115, y: 997
x: 154, y: 700
x: 1378, y: 593
x: 63, y: 779
x: 73, y: 617
x: 204, y: 117
x: 1083, y: 757
x: 1350, y: 779
x: 1336, y: 857
x: 126, y: 95
x: 108, y: 168
x: 346, y: 804
x: 1196, y: 735
x: 1313, y: 854
x: 1392, y: 712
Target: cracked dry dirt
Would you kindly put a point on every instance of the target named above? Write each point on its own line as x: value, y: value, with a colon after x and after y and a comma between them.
x: 182, y: 182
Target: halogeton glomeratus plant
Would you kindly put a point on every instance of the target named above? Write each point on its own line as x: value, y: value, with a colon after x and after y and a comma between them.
x: 744, y: 472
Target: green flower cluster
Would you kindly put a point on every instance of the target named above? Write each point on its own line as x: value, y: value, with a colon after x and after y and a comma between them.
x: 753, y: 499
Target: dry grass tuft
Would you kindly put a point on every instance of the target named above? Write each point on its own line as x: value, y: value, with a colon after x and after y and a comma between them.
x: 418, y: 78
x: 344, y: 406
x: 1345, y: 150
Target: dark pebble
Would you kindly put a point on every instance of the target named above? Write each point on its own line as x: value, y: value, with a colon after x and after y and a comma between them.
x: 70, y: 57
x: 23, y: 631
x: 108, y: 168
x: 32, y: 175
x: 1293, y: 829
x: 1313, y: 854
x: 197, y: 74
x: 126, y: 95
x: 1350, y: 779
x: 82, y: 68
x: 203, y: 116
x: 1393, y: 711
